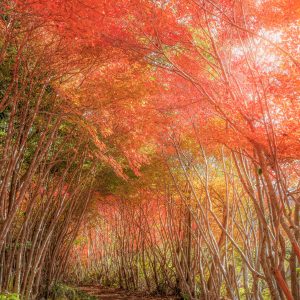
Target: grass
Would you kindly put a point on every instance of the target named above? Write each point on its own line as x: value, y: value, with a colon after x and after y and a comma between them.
x: 64, y: 292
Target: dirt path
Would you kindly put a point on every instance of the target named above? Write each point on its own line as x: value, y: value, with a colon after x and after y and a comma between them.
x: 118, y: 294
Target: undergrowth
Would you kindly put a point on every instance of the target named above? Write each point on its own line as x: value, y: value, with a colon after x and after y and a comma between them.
x: 64, y: 292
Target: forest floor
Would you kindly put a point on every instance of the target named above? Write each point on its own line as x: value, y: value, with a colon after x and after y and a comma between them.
x: 118, y: 294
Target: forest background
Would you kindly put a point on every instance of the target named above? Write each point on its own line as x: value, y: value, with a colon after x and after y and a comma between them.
x: 150, y: 145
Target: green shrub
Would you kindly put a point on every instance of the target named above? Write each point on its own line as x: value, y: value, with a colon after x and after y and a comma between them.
x: 9, y: 296
x: 64, y: 292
